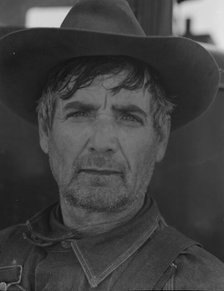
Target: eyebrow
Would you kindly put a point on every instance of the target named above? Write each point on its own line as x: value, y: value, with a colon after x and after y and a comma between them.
x: 117, y: 108
x: 80, y: 105
x: 129, y: 108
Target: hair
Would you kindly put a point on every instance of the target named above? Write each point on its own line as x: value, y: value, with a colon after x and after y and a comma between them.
x: 65, y: 79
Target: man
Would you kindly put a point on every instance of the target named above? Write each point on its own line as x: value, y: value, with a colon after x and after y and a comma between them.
x: 105, y: 95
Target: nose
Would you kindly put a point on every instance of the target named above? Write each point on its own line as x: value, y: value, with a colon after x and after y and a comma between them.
x: 104, y: 137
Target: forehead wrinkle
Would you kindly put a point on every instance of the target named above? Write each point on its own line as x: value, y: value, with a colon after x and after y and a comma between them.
x: 105, y: 85
x: 105, y: 101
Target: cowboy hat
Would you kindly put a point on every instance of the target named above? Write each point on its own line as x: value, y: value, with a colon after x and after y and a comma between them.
x: 105, y: 27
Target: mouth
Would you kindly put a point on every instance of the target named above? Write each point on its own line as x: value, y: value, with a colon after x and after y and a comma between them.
x: 100, y: 172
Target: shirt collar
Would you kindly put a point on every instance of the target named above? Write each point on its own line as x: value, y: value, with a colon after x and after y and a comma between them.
x: 101, y: 254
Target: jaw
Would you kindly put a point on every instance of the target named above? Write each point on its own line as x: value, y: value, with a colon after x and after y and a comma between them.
x: 89, y: 221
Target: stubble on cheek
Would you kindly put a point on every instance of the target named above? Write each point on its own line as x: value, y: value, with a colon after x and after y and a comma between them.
x: 101, y: 193
x: 144, y: 171
x: 113, y: 194
x: 59, y: 168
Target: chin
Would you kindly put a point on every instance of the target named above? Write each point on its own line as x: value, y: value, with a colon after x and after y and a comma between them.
x: 101, y: 200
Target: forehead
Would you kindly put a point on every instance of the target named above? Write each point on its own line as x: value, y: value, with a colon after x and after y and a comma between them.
x: 101, y: 89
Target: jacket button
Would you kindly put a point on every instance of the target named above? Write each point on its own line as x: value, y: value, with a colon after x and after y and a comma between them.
x: 3, y: 286
x: 66, y: 244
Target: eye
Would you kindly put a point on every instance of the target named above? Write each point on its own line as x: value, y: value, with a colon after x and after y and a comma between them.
x: 130, y: 117
x: 78, y: 114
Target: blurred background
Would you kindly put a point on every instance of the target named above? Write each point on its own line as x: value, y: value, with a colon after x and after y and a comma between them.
x: 188, y: 184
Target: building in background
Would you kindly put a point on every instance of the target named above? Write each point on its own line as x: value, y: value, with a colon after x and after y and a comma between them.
x: 206, y: 20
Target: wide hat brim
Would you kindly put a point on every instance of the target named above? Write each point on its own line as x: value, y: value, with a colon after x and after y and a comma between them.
x: 187, y: 71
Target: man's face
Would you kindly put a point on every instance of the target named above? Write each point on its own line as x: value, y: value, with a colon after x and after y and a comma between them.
x: 102, y: 146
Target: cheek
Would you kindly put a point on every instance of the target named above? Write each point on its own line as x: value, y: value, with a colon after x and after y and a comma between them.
x: 64, y: 148
x: 139, y: 147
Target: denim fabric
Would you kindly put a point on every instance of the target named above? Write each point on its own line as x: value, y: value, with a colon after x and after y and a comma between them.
x: 45, y: 255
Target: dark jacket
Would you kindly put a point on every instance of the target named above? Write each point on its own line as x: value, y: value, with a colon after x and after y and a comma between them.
x: 142, y: 254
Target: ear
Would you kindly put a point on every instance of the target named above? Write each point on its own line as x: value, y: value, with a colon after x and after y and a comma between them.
x: 43, y: 135
x: 162, y: 139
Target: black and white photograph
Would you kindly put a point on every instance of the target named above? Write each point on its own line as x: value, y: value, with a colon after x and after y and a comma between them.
x: 111, y: 145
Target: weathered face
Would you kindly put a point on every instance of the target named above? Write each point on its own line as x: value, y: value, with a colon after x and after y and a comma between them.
x: 102, y: 147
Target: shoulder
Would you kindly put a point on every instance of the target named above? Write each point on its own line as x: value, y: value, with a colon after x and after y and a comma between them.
x: 12, y: 244
x: 197, y: 269
x: 11, y: 232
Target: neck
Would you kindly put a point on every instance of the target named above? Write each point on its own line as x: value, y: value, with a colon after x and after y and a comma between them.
x: 92, y: 223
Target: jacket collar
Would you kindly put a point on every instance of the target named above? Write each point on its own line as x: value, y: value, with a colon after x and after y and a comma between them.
x: 101, y: 254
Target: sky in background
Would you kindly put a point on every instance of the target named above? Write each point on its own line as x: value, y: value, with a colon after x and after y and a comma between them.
x: 42, y: 17
x: 207, y: 17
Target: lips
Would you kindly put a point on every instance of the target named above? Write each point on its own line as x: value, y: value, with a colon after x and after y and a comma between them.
x: 100, y: 171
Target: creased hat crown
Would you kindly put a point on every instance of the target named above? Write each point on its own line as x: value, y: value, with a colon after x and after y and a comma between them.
x: 106, y: 16
x: 99, y: 28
